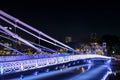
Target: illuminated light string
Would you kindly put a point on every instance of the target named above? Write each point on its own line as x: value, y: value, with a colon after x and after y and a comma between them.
x: 51, y: 50
x: 31, y: 33
x: 33, y: 29
x: 19, y: 38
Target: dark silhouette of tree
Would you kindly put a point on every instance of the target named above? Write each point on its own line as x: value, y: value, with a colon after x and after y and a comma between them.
x: 113, y: 43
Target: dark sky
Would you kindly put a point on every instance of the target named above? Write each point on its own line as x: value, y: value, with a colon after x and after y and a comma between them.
x: 59, y: 19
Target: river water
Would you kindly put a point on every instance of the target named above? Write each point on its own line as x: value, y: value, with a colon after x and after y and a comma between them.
x: 95, y: 71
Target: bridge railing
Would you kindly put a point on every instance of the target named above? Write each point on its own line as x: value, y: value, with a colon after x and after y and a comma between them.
x: 17, y: 66
x: 32, y: 56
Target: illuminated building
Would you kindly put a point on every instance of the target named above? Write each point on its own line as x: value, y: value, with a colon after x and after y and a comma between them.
x: 68, y: 39
x: 97, y: 49
x: 4, y: 40
x: 93, y: 37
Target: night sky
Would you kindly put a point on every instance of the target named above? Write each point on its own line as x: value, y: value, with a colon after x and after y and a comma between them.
x: 60, y: 19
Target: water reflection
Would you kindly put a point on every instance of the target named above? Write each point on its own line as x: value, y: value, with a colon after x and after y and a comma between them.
x: 115, y: 71
x: 95, y: 72
x: 98, y: 72
x: 114, y: 76
x: 82, y: 69
x: 82, y: 72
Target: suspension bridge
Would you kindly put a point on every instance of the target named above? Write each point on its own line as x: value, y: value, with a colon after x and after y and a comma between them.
x: 45, y: 56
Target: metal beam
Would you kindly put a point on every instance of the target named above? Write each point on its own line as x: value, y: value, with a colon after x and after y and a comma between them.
x: 33, y: 29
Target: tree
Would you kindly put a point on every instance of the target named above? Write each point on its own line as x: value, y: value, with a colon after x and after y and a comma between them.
x: 113, y: 43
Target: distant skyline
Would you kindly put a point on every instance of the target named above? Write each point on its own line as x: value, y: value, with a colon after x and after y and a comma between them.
x: 60, y: 19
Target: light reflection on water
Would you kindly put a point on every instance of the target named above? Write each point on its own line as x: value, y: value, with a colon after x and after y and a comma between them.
x: 98, y: 72
x: 82, y: 69
x: 82, y: 72
x: 115, y: 67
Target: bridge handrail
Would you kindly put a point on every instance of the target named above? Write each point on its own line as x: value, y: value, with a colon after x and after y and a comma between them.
x: 17, y: 66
